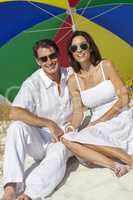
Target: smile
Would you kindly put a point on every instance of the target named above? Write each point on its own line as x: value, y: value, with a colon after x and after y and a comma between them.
x: 81, y: 55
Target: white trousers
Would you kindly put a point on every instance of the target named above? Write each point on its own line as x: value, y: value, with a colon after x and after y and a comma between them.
x: 23, y: 139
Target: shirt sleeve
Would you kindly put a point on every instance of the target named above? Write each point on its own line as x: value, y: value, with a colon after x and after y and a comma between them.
x: 25, y: 98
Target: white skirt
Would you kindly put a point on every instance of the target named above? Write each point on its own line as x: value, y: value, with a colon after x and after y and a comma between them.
x: 116, y: 132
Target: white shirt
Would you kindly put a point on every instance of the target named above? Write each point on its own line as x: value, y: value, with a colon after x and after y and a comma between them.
x: 39, y: 94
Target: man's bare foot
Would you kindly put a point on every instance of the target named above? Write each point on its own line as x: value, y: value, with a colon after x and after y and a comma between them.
x: 9, y: 192
x: 23, y: 197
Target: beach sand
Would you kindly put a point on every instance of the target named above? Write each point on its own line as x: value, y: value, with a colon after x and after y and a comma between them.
x: 81, y: 183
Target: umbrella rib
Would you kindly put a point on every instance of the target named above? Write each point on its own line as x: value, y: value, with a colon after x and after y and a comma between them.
x: 103, y: 13
x: 109, y: 4
x: 83, y: 11
x: 107, y: 11
x: 71, y: 16
x: 45, y: 30
x: 45, y: 11
x: 63, y: 36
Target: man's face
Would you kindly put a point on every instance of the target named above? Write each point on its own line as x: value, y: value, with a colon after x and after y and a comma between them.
x: 48, y: 60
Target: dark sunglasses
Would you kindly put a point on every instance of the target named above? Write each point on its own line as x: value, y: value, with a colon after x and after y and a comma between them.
x: 44, y: 59
x: 83, y: 46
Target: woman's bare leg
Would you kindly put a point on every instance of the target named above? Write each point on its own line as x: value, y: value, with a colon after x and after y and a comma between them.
x: 113, y: 153
x: 95, y: 157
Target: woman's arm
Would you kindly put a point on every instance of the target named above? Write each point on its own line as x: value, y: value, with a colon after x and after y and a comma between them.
x: 120, y: 89
x: 77, y: 115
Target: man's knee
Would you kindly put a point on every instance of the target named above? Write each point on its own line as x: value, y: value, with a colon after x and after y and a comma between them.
x: 64, y: 150
x: 17, y: 129
x: 16, y: 125
x: 59, y: 147
x: 60, y: 150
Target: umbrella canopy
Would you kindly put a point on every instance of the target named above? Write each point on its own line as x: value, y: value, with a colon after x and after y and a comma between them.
x: 24, y: 22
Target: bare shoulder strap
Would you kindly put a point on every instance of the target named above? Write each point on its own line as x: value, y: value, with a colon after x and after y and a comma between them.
x: 101, y: 66
x: 77, y: 80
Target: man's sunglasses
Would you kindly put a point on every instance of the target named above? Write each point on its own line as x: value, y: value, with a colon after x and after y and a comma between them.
x: 44, y: 59
x: 83, y: 46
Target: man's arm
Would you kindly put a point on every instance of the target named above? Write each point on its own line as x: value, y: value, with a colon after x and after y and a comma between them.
x: 21, y: 114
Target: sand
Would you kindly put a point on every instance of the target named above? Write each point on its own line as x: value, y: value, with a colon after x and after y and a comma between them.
x: 81, y: 183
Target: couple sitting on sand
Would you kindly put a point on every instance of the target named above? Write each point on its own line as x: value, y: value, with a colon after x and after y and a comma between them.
x: 56, y: 116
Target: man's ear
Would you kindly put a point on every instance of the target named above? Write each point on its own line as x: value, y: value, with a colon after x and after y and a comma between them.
x: 37, y: 62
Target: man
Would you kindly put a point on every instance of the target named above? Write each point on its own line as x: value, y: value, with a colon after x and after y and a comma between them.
x: 40, y: 110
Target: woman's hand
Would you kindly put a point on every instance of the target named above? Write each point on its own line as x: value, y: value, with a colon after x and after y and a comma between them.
x: 92, y: 124
x: 69, y: 129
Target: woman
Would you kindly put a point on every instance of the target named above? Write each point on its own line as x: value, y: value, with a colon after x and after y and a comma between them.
x: 96, y: 84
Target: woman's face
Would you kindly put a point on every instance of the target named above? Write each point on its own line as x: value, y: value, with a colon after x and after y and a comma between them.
x: 80, y: 49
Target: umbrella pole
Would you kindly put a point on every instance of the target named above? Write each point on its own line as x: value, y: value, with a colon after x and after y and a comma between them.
x: 71, y: 15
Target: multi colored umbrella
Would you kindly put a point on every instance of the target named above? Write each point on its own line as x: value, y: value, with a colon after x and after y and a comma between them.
x: 24, y: 22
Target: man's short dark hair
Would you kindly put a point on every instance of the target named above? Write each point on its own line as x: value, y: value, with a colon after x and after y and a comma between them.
x: 46, y: 43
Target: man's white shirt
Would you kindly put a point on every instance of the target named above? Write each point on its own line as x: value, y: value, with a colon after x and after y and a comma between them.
x: 39, y: 94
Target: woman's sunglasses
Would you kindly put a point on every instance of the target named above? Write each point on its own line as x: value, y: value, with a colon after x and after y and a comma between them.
x: 82, y: 46
x: 44, y: 59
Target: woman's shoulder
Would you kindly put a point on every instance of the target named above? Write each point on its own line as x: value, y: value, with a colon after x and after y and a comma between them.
x: 108, y: 66
x: 111, y: 70
x: 106, y: 63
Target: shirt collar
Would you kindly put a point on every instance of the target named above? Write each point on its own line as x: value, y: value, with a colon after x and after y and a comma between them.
x: 48, y: 82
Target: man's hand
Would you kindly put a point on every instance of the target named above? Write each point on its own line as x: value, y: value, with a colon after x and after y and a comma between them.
x: 56, y: 131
